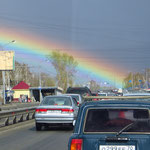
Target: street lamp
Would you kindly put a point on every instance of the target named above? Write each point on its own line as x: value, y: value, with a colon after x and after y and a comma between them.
x: 3, y: 72
x: 3, y: 46
x: 40, y: 80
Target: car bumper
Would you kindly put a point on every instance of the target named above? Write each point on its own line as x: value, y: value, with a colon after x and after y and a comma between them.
x: 54, y: 120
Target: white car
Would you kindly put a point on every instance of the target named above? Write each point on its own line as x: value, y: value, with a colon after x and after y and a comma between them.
x: 102, y: 94
x: 136, y: 94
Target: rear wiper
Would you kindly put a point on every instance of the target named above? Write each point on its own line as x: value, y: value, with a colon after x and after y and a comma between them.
x: 127, y: 127
x: 121, y: 139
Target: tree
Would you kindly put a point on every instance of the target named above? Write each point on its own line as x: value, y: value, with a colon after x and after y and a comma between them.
x: 65, y: 67
x: 46, y: 80
x: 128, y: 81
x: 94, y: 87
x: 23, y: 72
x: 134, y: 80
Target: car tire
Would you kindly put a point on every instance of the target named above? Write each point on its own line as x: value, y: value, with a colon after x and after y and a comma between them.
x: 38, y: 126
x: 71, y: 126
x: 46, y: 126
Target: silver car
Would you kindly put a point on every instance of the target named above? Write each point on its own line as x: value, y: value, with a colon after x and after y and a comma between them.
x: 56, y: 110
x: 78, y: 97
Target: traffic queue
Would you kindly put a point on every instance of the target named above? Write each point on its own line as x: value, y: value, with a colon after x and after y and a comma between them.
x: 101, y: 121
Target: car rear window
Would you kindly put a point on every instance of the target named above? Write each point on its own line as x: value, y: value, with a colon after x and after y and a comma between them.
x: 65, y: 101
x: 114, y: 120
x: 80, y: 91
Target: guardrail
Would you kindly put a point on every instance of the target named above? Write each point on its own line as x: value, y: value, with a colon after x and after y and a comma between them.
x: 16, y: 116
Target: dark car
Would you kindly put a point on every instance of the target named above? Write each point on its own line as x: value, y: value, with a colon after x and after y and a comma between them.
x: 94, y: 94
x: 79, y: 90
x: 112, y: 125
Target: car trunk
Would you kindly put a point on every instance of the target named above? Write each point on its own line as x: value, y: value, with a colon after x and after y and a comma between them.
x: 116, y: 129
x: 56, y: 112
x: 110, y: 142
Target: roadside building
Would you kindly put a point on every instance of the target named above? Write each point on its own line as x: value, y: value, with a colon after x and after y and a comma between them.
x: 21, y: 92
x: 38, y: 93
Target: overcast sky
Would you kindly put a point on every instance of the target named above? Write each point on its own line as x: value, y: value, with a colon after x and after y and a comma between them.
x: 115, y: 30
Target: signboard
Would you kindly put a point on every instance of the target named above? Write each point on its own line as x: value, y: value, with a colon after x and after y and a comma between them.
x: 7, y: 61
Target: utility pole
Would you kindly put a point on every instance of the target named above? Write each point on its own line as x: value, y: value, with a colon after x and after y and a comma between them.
x: 40, y: 92
x: 146, y: 77
x: 3, y: 71
x: 3, y: 76
x: 132, y: 80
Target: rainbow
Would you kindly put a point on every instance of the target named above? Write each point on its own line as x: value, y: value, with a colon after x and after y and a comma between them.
x: 31, y: 47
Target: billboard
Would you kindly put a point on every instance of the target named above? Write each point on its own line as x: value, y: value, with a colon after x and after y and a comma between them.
x: 7, y: 61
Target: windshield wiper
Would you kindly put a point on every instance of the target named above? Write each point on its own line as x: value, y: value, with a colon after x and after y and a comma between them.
x: 127, y: 127
x: 121, y: 139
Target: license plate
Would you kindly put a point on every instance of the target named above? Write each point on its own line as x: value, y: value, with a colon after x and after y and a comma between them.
x: 54, y: 111
x: 117, y: 147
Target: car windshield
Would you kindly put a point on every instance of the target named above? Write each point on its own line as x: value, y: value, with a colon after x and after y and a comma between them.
x: 114, y: 120
x: 65, y: 101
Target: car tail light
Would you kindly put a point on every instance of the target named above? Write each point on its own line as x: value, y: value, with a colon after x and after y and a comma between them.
x: 76, y: 144
x: 67, y: 110
x: 94, y: 99
x: 41, y: 110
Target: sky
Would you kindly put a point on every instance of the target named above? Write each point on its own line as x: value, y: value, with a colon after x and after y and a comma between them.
x: 110, y: 35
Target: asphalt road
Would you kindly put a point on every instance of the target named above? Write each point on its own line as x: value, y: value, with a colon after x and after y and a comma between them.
x: 23, y: 136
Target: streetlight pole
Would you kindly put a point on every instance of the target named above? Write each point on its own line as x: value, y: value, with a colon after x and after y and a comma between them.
x: 132, y: 81
x: 3, y: 46
x: 146, y: 78
x: 3, y: 72
x: 3, y: 76
x: 40, y: 84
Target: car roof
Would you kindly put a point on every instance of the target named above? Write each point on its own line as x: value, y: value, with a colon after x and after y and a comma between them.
x: 58, y: 96
x: 85, y: 87
x: 122, y: 102
x: 78, y: 88
x: 71, y: 94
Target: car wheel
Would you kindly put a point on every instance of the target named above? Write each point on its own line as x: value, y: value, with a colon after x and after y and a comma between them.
x: 38, y: 126
x: 46, y: 126
x: 71, y: 126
